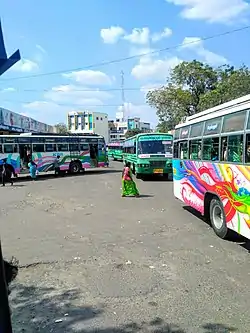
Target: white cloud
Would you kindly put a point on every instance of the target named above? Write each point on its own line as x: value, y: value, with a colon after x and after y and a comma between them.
x: 77, y: 95
x: 152, y: 68
x: 167, y: 32
x: 138, y: 36
x: 40, y: 48
x: 25, y: 66
x: 197, y: 45
x: 10, y: 89
x: 89, y: 77
x: 111, y: 35
x: 213, y: 10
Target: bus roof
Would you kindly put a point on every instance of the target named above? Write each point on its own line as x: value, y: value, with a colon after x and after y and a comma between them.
x: 66, y: 135
x: 235, y: 105
x: 150, y: 133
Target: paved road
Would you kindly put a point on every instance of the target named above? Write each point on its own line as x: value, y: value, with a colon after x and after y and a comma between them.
x: 95, y: 262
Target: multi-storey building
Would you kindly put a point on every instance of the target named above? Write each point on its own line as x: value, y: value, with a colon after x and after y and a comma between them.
x: 88, y: 122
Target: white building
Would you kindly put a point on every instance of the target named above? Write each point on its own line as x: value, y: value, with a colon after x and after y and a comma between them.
x: 88, y: 122
x: 119, y: 127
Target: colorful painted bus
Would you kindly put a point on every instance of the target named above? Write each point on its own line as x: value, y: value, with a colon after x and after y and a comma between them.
x: 115, y: 150
x: 211, y: 165
x: 76, y: 152
x: 149, y: 153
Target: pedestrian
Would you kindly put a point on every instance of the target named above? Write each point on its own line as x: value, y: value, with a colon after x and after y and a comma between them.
x: 33, y: 170
x: 128, y: 185
x: 57, y: 166
x: 6, y: 173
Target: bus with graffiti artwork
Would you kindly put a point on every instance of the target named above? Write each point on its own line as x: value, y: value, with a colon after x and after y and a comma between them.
x: 149, y: 154
x: 75, y: 152
x: 211, y: 165
x: 115, y: 150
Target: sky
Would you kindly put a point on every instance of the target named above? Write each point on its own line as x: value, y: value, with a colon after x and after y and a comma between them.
x: 73, y: 52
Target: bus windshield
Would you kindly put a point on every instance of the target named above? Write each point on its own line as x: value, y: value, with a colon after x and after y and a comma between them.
x: 155, y: 147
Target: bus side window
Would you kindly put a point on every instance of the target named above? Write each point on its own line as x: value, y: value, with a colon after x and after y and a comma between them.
x: 247, y: 158
x: 195, y: 149
x: 9, y: 148
x: 84, y: 147
x: 62, y: 147
x: 211, y: 149
x: 73, y: 147
x: 38, y: 148
x: 232, y: 148
x: 176, y: 150
x: 183, y: 150
x: 50, y: 147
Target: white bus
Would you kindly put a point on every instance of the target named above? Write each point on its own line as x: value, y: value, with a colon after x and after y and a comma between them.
x: 76, y: 152
x: 211, y: 165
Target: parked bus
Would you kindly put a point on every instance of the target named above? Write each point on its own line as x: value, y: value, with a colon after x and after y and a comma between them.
x: 149, y: 153
x: 211, y: 165
x: 115, y: 150
x: 76, y: 152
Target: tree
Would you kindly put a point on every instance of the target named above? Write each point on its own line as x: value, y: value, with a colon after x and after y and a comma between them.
x: 193, y: 87
x: 132, y: 132
x: 61, y: 128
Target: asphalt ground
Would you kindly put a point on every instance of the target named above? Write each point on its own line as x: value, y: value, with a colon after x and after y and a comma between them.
x: 91, y: 261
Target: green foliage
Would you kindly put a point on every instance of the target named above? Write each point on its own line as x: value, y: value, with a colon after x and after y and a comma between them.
x: 193, y: 87
x: 132, y: 132
x: 61, y: 128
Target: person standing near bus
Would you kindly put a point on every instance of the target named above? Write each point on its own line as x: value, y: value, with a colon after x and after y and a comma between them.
x: 6, y: 173
x: 57, y: 166
x: 33, y: 170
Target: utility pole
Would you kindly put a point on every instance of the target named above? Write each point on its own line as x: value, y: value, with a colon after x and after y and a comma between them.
x: 123, y: 96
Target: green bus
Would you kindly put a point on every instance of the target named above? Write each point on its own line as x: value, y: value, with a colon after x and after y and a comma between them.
x: 115, y: 150
x: 149, y: 154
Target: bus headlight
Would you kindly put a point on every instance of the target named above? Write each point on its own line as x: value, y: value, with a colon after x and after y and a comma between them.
x: 143, y: 165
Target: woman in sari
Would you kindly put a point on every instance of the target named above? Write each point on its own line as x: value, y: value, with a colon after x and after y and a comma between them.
x: 128, y: 185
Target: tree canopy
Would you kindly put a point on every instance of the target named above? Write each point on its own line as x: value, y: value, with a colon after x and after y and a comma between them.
x: 61, y: 128
x: 193, y: 87
x: 132, y: 132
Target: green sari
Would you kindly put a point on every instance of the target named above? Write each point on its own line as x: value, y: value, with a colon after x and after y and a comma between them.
x: 128, y: 185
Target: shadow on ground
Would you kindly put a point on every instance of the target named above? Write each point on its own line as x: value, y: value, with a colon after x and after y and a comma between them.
x: 233, y: 237
x: 44, y: 310
x: 45, y: 176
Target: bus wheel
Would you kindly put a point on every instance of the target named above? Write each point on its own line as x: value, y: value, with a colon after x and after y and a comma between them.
x: 75, y: 167
x: 218, y: 218
x: 138, y: 175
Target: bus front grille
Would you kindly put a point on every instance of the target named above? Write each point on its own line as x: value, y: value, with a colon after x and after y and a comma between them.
x: 157, y: 164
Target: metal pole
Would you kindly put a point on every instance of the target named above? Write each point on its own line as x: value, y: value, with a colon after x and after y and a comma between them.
x: 5, y: 317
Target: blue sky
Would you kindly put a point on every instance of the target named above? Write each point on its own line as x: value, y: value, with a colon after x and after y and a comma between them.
x: 68, y: 37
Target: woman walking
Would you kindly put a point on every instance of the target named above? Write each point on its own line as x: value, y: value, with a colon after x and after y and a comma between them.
x: 128, y: 185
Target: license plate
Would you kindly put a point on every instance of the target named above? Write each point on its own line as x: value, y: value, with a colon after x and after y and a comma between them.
x: 158, y: 171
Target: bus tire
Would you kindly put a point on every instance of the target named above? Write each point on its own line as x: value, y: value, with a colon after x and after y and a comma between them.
x: 218, y: 218
x: 138, y: 175
x: 75, y: 167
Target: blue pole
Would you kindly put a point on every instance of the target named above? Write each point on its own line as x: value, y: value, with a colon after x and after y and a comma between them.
x: 5, y: 317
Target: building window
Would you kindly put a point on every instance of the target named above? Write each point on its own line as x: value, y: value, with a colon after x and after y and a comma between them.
x: 101, y: 118
x: 97, y: 118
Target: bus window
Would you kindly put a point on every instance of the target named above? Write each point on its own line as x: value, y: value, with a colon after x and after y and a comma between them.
x: 183, y: 150
x: 73, y: 147
x: 232, y: 148
x: 247, y: 158
x: 175, y: 149
x: 195, y: 149
x: 1, y: 148
x: 211, y: 149
x: 49, y: 147
x: 62, y: 147
x: 9, y: 148
x: 84, y: 147
x: 234, y: 122
x: 38, y: 148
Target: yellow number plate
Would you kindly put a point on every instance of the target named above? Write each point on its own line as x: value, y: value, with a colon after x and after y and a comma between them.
x: 158, y: 171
